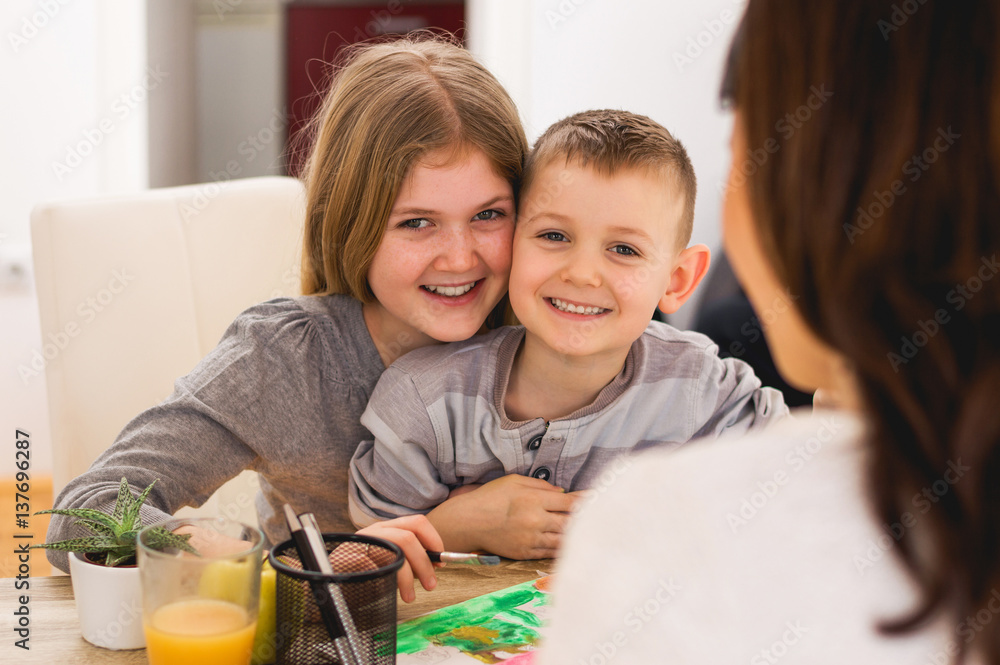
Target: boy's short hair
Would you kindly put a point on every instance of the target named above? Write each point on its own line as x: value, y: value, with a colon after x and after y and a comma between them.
x: 610, y: 141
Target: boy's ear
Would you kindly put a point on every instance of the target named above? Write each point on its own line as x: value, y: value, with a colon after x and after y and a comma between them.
x: 692, y: 265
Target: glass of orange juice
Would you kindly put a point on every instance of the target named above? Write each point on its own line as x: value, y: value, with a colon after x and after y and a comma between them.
x: 201, y: 610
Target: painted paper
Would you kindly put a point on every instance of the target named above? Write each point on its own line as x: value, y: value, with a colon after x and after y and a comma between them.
x: 493, y: 628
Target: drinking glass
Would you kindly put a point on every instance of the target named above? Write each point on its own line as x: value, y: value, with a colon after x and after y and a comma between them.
x: 201, y: 610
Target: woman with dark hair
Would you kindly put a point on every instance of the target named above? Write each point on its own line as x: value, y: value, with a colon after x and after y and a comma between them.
x: 865, y: 182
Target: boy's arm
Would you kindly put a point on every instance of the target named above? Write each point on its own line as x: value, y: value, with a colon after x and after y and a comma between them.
x: 396, y: 473
x: 731, y: 398
x: 514, y: 516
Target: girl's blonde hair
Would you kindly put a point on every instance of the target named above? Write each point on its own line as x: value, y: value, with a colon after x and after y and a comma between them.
x: 390, y: 104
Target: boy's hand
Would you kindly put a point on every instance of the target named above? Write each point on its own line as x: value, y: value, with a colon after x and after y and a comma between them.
x: 414, y: 534
x: 515, y: 516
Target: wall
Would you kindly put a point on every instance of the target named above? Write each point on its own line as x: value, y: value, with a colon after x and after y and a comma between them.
x: 76, y: 121
x: 75, y: 115
x: 239, y: 72
x: 173, y: 137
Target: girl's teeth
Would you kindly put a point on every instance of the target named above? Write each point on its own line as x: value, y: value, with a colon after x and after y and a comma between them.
x: 451, y: 290
x: 576, y: 309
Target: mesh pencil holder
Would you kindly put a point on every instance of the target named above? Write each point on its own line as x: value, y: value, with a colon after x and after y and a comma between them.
x: 365, y: 575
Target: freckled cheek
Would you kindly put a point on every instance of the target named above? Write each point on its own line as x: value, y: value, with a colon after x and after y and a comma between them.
x: 496, y: 249
x: 400, y: 264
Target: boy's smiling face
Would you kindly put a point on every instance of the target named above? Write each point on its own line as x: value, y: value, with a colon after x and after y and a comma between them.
x: 593, y: 256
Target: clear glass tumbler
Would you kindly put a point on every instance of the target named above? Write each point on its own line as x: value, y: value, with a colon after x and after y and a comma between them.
x: 201, y: 610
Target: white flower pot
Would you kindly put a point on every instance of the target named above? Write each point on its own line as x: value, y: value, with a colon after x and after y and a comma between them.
x: 108, y: 602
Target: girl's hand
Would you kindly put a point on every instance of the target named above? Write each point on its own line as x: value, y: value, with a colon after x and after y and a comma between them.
x: 515, y: 516
x: 414, y: 534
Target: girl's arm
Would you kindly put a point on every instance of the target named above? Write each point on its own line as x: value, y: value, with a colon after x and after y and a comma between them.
x: 217, y: 422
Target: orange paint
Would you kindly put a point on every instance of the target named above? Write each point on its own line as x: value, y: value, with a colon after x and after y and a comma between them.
x: 545, y: 583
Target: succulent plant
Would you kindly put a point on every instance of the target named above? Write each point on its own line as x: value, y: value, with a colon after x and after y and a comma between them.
x: 115, y: 534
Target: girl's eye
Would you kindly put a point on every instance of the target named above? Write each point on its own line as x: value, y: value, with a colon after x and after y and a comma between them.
x: 554, y: 236
x: 414, y: 224
x: 624, y: 250
x: 489, y: 214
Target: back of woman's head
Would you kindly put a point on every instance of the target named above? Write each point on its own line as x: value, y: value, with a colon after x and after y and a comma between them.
x: 390, y: 104
x: 881, y: 210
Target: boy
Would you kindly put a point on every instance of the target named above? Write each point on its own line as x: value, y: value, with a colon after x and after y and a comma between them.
x: 607, y: 206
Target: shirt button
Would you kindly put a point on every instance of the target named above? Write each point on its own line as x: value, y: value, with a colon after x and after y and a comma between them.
x: 535, y: 443
x: 542, y: 473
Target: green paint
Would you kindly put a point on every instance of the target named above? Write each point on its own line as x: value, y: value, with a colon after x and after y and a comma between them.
x: 490, y: 623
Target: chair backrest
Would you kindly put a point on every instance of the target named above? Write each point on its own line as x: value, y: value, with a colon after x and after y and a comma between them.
x: 133, y: 291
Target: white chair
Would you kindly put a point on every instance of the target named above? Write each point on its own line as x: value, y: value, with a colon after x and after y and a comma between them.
x: 133, y: 291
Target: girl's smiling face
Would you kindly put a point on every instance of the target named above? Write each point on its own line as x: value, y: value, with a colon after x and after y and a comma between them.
x: 444, y: 260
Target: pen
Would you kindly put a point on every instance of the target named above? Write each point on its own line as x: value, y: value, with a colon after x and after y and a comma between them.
x: 462, y: 557
x: 332, y: 606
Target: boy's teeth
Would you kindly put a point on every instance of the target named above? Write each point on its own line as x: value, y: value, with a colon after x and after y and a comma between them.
x: 451, y: 290
x: 576, y: 309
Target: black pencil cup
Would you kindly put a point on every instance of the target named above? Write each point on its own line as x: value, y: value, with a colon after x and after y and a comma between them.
x: 365, y: 575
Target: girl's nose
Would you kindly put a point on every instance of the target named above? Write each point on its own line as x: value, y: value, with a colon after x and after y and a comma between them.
x: 457, y: 252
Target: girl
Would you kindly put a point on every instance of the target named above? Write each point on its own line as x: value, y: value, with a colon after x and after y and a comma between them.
x: 410, y: 207
x: 868, y: 534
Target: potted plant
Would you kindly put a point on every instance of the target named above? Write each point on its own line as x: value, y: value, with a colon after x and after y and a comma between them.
x: 103, y: 569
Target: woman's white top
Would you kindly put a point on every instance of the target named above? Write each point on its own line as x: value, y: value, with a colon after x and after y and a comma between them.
x: 760, y: 549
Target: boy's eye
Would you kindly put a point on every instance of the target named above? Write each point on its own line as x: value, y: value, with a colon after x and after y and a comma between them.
x: 414, y: 224
x: 624, y: 250
x: 488, y: 215
x: 554, y: 236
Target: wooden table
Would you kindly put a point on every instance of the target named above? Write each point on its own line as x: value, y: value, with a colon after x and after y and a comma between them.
x: 55, y: 630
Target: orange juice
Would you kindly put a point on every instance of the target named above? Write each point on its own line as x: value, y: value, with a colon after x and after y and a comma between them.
x: 199, y: 631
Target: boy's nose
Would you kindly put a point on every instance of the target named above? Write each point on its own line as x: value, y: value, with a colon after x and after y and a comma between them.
x: 581, y: 270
